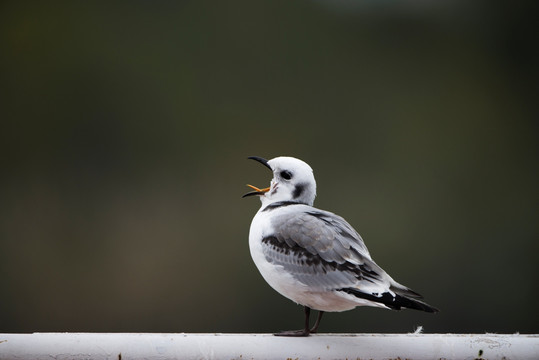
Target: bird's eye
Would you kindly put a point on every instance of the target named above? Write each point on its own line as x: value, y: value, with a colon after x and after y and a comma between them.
x: 285, y: 174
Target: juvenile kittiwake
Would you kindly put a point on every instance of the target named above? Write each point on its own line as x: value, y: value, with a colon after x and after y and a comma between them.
x: 312, y: 256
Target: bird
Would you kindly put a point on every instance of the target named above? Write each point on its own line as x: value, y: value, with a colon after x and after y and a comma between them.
x: 315, y: 257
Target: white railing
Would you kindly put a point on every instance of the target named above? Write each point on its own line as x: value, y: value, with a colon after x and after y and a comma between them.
x: 120, y: 346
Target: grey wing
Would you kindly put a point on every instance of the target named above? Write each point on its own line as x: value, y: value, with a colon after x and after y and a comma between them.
x: 321, y: 250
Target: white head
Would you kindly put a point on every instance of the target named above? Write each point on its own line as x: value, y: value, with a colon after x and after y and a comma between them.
x: 293, y: 180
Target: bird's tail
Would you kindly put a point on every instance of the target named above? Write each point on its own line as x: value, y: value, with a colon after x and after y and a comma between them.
x: 409, y: 303
x: 401, y: 297
x: 409, y: 299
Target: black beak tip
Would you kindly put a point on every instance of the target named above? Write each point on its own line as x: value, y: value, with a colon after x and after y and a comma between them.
x: 250, y: 194
x: 260, y: 160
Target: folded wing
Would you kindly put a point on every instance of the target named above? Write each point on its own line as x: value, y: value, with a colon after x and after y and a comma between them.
x: 321, y: 250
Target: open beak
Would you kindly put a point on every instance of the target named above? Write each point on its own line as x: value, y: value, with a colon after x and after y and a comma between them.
x: 258, y: 191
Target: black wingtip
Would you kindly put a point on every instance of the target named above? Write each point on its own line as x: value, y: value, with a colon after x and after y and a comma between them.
x: 419, y: 305
x: 395, y: 302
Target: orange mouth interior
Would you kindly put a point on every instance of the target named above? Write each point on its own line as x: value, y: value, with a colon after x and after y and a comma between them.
x: 261, y: 191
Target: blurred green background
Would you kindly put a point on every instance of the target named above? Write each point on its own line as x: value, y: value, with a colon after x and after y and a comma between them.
x: 125, y: 128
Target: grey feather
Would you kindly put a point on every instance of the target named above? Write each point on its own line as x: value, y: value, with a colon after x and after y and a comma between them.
x: 320, y: 249
x: 323, y: 233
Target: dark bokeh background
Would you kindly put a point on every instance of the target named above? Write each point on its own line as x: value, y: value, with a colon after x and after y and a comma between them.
x: 125, y: 128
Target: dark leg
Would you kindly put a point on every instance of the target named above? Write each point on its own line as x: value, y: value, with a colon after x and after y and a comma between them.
x: 314, y: 329
x: 305, y: 331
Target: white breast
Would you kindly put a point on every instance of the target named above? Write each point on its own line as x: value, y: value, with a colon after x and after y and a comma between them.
x: 278, y: 279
